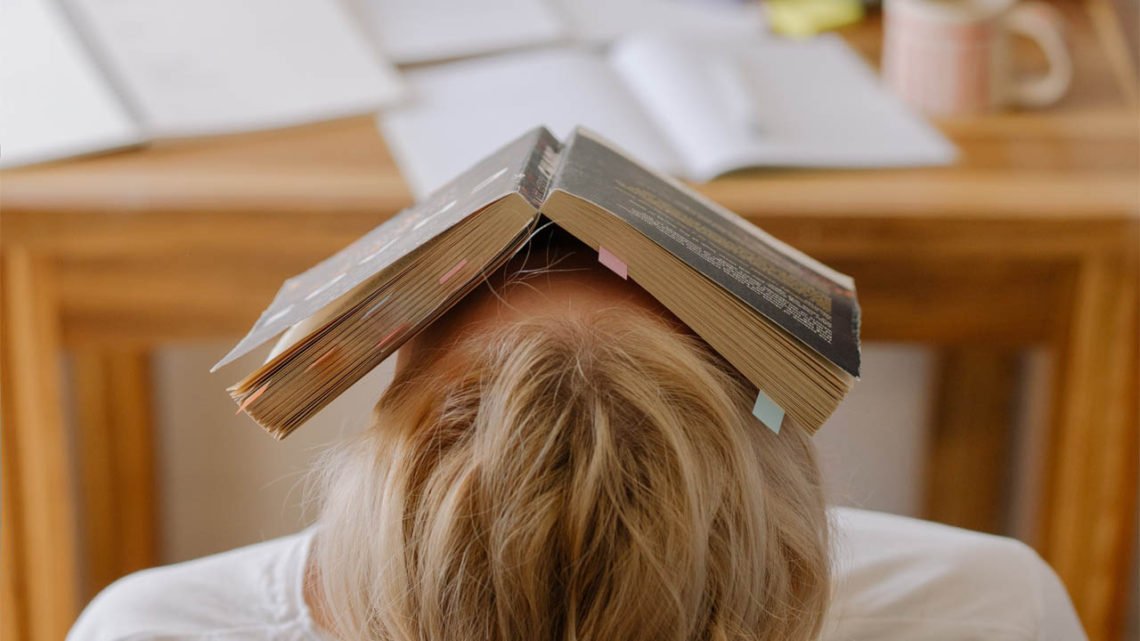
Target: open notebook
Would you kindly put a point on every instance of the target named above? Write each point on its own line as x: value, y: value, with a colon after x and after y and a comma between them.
x: 689, y: 106
x: 85, y: 75
x: 789, y: 324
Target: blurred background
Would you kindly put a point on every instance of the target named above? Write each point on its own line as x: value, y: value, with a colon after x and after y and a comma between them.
x: 974, y: 164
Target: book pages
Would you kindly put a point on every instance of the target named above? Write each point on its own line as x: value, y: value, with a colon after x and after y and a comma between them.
x: 816, y: 309
x: 523, y: 166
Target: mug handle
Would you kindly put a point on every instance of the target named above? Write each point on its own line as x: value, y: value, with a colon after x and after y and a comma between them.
x: 1044, y: 25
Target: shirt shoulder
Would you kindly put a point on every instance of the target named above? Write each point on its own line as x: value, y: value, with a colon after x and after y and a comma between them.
x: 901, y: 578
x: 249, y: 593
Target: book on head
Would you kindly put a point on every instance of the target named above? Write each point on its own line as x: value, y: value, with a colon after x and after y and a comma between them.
x: 788, y: 323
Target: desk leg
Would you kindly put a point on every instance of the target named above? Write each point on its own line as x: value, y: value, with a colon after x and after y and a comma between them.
x: 116, y: 464
x: 1088, y: 524
x: 39, y: 516
x: 969, y: 458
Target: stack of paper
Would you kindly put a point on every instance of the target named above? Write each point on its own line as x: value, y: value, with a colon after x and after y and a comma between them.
x: 218, y: 66
x: 91, y: 75
x: 420, y: 31
x: 413, y: 31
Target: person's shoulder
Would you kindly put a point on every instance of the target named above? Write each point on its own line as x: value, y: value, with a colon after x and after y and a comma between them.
x: 247, y: 589
x: 897, y: 575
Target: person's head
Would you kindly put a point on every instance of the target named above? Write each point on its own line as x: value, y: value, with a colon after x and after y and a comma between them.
x: 560, y: 458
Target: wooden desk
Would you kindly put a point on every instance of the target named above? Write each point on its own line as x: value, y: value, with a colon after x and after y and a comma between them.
x: 1031, y: 240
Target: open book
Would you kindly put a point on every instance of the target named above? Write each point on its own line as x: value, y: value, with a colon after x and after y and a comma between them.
x: 786, y: 322
x: 81, y: 76
x: 689, y: 106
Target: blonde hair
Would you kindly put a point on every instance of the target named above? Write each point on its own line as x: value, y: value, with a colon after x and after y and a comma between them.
x: 590, y: 478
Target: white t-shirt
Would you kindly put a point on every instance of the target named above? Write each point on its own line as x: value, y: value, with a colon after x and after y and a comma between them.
x: 895, y: 579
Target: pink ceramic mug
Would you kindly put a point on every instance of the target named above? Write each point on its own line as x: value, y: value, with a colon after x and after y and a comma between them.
x: 953, y: 56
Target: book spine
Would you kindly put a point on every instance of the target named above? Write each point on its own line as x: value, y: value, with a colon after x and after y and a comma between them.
x: 538, y: 170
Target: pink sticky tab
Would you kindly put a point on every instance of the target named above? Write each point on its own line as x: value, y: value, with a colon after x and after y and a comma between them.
x: 453, y: 271
x: 391, y: 335
x: 251, y: 398
x: 323, y: 359
x: 616, y: 265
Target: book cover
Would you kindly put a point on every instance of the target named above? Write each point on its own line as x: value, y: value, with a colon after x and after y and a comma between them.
x: 810, y: 301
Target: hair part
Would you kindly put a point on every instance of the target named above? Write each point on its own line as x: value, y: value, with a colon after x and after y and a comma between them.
x: 588, y: 478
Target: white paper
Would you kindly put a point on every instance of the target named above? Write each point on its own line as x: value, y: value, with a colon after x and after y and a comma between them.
x: 195, y: 67
x: 607, y: 20
x: 54, y: 101
x: 462, y: 111
x: 737, y: 103
x: 412, y: 31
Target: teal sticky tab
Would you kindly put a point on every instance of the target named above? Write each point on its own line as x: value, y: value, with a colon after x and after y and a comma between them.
x: 768, y: 412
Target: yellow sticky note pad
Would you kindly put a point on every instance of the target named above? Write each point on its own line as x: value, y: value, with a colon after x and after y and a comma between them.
x: 803, y: 18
